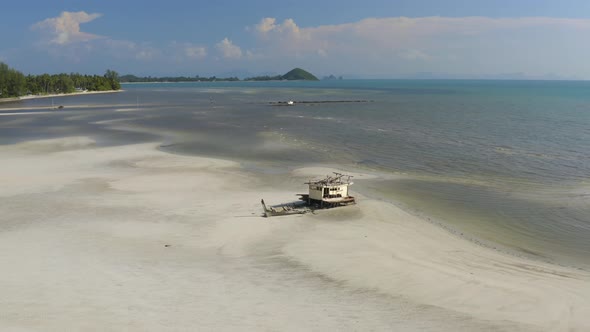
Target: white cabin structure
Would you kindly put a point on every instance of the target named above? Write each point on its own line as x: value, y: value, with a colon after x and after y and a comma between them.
x: 331, y: 191
x: 326, y: 193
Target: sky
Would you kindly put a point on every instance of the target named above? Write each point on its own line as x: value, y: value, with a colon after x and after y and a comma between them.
x: 355, y: 39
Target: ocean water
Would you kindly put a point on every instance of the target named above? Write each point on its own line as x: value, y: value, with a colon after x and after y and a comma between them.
x: 506, y: 163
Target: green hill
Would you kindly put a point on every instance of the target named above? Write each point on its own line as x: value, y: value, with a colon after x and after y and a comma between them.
x: 299, y: 74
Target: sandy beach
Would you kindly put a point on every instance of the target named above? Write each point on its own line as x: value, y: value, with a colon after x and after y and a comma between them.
x: 133, y: 238
x: 55, y: 95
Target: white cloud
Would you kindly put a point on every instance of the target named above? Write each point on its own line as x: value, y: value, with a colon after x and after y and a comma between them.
x: 124, y: 49
x: 266, y: 24
x: 412, y: 54
x: 372, y: 46
x: 403, y: 44
x: 186, y: 52
x: 228, y: 50
x: 145, y: 54
x: 288, y: 28
x: 399, y: 32
x: 195, y: 52
x: 65, y: 29
x: 63, y: 39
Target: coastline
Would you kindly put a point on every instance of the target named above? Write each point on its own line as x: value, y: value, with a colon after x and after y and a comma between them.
x: 151, y: 240
x: 13, y: 99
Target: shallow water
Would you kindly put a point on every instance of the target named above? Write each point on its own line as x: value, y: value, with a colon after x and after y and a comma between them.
x: 504, y: 161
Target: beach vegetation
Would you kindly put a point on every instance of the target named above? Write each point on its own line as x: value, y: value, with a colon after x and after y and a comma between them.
x: 15, y: 84
x: 265, y: 78
x: 12, y: 82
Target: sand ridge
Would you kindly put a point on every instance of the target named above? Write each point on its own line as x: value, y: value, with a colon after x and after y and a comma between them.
x: 130, y: 237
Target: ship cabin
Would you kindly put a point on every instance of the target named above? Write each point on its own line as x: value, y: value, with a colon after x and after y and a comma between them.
x: 330, y: 192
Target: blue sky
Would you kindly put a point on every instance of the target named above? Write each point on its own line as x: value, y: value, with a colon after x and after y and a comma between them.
x: 379, y: 38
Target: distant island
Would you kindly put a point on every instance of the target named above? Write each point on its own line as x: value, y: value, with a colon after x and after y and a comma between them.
x: 331, y: 77
x: 14, y: 84
x: 295, y: 74
x: 167, y: 79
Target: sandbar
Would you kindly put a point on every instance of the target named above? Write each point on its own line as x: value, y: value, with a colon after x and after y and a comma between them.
x: 133, y: 238
x: 55, y: 95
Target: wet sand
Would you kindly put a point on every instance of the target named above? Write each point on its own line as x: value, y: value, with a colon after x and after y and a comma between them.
x: 55, y: 95
x: 129, y: 237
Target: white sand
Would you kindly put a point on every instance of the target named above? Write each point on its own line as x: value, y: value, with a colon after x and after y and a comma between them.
x: 131, y: 238
x: 56, y: 95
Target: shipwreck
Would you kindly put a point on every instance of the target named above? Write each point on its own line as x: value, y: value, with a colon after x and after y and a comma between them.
x: 329, y: 192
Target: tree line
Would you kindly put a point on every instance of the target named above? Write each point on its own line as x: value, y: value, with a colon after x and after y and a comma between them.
x: 265, y: 78
x: 294, y: 74
x: 15, y: 84
x: 167, y: 79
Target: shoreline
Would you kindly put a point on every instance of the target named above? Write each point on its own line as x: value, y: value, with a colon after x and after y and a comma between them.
x: 31, y: 97
x: 181, y: 240
x: 464, y: 235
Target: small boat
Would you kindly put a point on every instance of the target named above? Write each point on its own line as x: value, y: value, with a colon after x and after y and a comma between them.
x: 285, y: 209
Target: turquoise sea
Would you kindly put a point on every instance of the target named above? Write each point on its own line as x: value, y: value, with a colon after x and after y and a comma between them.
x: 506, y: 163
